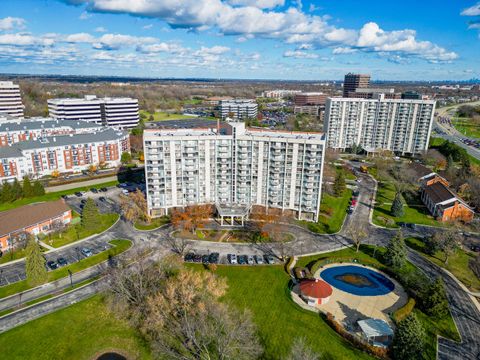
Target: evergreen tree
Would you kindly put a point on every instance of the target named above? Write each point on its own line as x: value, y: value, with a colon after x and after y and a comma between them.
x: 396, y: 254
x: 7, y: 193
x: 397, y: 206
x: 450, y: 164
x: 27, y: 187
x: 126, y: 158
x: 339, y: 185
x: 90, y: 215
x: 35, y: 264
x: 38, y: 189
x: 17, y: 191
x: 409, y: 340
x: 435, y: 301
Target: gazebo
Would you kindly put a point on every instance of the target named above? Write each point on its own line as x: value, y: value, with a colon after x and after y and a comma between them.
x: 315, y: 291
x: 232, y: 212
x: 376, y: 331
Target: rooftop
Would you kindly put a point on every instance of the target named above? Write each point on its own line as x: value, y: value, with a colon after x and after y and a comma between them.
x: 438, y: 192
x: 375, y: 328
x: 317, y: 288
x: 44, y: 123
x: 25, y: 216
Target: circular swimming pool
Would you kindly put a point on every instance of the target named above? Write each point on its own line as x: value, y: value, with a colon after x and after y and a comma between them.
x: 357, y: 280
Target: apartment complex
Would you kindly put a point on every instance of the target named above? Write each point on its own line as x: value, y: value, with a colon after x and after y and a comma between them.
x: 10, y: 100
x: 13, y: 130
x: 234, y: 168
x: 355, y: 81
x: 120, y: 113
x: 310, y: 98
x: 279, y: 94
x: 65, y: 154
x: 238, y: 109
x: 401, y: 126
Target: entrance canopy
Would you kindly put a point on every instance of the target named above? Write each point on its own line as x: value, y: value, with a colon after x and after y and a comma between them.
x: 233, y: 211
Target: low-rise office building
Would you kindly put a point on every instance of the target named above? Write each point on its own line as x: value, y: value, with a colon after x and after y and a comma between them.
x: 120, y: 113
x: 238, y: 109
x: 31, y: 219
x: 14, y: 130
x: 235, y: 168
x: 64, y: 154
x: 310, y: 98
x: 401, y: 126
x: 10, y: 100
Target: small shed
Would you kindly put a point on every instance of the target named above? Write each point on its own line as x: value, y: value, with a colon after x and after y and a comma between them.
x: 315, y: 291
x: 376, y: 331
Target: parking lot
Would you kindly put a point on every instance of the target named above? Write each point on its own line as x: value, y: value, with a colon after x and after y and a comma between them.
x: 230, y: 259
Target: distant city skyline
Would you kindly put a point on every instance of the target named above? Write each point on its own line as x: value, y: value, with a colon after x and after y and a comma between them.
x: 242, y: 39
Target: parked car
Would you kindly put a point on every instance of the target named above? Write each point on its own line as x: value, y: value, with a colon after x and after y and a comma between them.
x: 102, y: 198
x: 350, y: 210
x: 205, y: 259
x: 475, y: 248
x: 125, y: 191
x: 64, y: 196
x: 93, y: 190
x: 62, y: 261
x: 242, y: 259
x: 214, y: 257
x: 269, y: 259
x: 86, y: 252
x: 104, y: 189
x: 122, y: 185
x: 197, y: 258
x: 189, y: 257
x: 78, y: 194
x: 52, y: 264
x: 259, y: 259
x: 232, y: 258
x: 354, y: 202
x: 250, y: 260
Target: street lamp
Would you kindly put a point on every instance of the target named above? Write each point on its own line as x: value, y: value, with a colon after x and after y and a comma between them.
x: 71, y: 280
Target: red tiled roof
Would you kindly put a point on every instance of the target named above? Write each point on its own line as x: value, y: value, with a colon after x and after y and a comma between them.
x: 317, y: 289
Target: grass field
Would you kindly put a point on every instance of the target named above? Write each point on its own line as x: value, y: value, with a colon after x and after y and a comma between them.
x: 415, y: 211
x: 154, y: 223
x: 119, y: 247
x: 82, y: 331
x: 159, y: 116
x: 332, y: 213
x: 73, y: 233
x: 52, y: 196
x: 229, y: 236
x: 457, y: 263
x: 436, y: 141
x: 466, y: 127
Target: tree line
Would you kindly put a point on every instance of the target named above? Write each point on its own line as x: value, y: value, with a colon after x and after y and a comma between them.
x: 10, y: 192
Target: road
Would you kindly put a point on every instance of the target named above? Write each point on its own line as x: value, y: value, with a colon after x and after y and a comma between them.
x: 450, y: 133
x: 466, y: 315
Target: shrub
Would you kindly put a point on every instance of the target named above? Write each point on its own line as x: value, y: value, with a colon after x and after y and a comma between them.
x: 404, y: 311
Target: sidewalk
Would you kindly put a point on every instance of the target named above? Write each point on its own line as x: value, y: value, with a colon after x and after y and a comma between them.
x: 80, y: 184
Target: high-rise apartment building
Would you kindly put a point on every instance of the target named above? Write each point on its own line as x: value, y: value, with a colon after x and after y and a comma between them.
x: 402, y: 126
x: 121, y: 113
x: 10, y: 100
x: 355, y: 81
x: 238, y: 109
x: 234, y: 167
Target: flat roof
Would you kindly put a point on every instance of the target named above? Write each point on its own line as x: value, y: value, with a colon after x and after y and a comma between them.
x: 232, y: 209
x: 25, y: 216
x: 189, y: 123
x: 375, y: 327
x: 44, y: 123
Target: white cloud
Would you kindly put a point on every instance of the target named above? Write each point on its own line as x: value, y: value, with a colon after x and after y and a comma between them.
x: 100, y: 29
x: 117, y: 41
x: 85, y: 15
x: 297, y: 54
x: 80, y: 38
x: 161, y: 47
x: 472, y: 11
x: 343, y: 50
x: 146, y: 27
x: 10, y: 23
x: 25, y: 40
x: 261, y: 4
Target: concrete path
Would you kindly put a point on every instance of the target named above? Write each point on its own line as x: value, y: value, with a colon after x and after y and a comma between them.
x: 80, y: 184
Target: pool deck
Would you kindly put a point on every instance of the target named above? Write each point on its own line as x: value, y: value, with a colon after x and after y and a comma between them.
x: 348, y: 308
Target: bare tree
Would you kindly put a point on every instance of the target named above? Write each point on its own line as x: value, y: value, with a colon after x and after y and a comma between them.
x: 301, y: 351
x: 357, y: 234
x: 178, y: 245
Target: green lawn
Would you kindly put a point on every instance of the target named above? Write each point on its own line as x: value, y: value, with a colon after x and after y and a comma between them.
x: 457, y: 263
x: 332, y: 213
x: 159, y: 116
x: 436, y: 142
x: 433, y: 326
x: 119, y: 247
x: 81, y: 331
x: 415, y: 211
x: 154, y: 223
x: 466, y: 127
x: 75, y: 233
x: 229, y: 236
x: 52, y: 196
x: 263, y: 290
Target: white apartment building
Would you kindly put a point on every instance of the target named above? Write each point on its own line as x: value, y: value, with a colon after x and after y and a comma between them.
x: 399, y: 125
x: 13, y: 130
x: 279, y: 94
x: 234, y: 167
x: 238, y: 109
x: 10, y: 100
x: 120, y: 113
x: 65, y: 153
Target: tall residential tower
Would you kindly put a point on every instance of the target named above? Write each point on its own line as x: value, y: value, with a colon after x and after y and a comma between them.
x: 10, y: 100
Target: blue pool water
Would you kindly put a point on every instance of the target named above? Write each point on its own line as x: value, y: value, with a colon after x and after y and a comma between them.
x: 357, y: 280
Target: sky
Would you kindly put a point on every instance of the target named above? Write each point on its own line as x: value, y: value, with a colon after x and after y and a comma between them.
x: 246, y: 39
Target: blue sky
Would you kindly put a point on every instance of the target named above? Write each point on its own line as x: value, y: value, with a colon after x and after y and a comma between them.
x: 268, y: 39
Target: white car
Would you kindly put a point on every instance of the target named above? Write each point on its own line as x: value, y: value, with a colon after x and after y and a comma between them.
x: 232, y: 258
x: 250, y: 260
x: 259, y: 259
x: 125, y: 191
